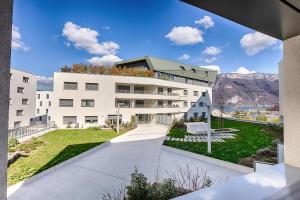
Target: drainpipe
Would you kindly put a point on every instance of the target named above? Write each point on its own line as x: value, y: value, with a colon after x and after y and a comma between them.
x: 6, y: 10
x: 209, y: 129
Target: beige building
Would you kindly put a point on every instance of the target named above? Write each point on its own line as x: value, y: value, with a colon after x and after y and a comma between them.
x: 84, y: 100
x: 22, y: 98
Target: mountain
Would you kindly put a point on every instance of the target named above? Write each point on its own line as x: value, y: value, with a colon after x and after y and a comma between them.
x: 246, y: 89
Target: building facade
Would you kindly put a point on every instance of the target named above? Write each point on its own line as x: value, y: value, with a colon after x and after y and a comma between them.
x: 92, y: 99
x: 22, y: 98
x: 43, y: 105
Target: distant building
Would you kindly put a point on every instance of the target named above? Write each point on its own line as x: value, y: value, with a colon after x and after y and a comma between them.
x: 175, y: 91
x: 22, y: 98
x: 43, y: 105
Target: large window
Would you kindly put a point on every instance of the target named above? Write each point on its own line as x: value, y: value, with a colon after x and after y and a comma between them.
x: 123, y: 89
x: 66, y: 102
x: 160, y: 103
x: 139, y: 89
x: 20, y: 90
x: 160, y: 90
x: 69, y: 119
x: 87, y: 102
x: 91, y: 119
x: 123, y: 103
x: 196, y: 93
x: 185, y: 92
x: 91, y: 86
x: 139, y: 103
x: 70, y: 85
x: 25, y: 79
x: 17, y: 124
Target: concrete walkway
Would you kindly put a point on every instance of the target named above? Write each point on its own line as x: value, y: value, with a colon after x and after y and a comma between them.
x: 108, y: 167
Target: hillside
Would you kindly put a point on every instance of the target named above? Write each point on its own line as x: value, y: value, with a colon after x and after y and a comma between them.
x: 246, y: 89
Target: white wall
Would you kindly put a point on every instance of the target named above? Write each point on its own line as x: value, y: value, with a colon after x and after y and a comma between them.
x: 106, y: 95
x: 16, y: 98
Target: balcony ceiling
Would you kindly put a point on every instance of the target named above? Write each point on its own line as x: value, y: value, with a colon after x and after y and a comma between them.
x: 277, y: 18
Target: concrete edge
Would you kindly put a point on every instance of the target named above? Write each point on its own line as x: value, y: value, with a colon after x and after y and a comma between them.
x: 221, y: 163
x: 60, y: 165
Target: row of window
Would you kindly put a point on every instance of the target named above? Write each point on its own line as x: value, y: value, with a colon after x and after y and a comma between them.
x: 74, y: 86
x: 69, y: 102
x: 47, y: 96
x: 49, y: 103
x: 201, y: 104
x: 196, y: 115
x: 25, y: 78
x: 73, y: 119
x: 38, y: 111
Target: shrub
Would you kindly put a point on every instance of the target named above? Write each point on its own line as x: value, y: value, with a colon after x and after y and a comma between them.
x: 163, y: 191
x: 30, y: 146
x: 12, y: 142
x: 178, y: 124
x: 138, y: 188
x: 94, y: 128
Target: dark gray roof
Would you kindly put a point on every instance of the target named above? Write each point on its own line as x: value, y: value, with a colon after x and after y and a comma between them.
x: 174, y: 68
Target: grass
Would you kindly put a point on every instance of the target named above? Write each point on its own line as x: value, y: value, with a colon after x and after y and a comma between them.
x: 177, y: 132
x: 250, y: 138
x: 53, y: 148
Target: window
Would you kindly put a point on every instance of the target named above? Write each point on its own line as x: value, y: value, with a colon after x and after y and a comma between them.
x: 160, y: 90
x: 47, y: 96
x: 91, y: 119
x: 194, y: 70
x: 123, y: 103
x: 139, y: 103
x: 49, y: 118
x: 19, y: 113
x: 182, y: 67
x: 160, y: 103
x: 25, y: 79
x: 49, y: 103
x: 196, y: 93
x: 10, y: 101
x: 185, y: 104
x: 193, y: 104
x: 87, y: 102
x: 24, y: 101
x: 169, y: 90
x: 39, y: 96
x: 201, y: 104
x: 38, y: 111
x: 47, y: 111
x: 169, y: 103
x: 70, y: 86
x: 41, y: 103
x: 66, y: 102
x: 69, y: 119
x: 203, y: 114
x: 139, y: 89
x: 185, y: 92
x: 195, y: 115
x: 20, y: 90
x: 91, y: 86
x: 17, y: 124
x: 203, y: 94
x: 123, y: 88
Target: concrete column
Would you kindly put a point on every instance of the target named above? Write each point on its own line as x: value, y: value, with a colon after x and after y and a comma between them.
x: 291, y: 100
x: 6, y: 10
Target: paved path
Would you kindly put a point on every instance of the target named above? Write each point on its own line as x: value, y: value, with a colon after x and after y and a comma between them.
x: 106, y: 167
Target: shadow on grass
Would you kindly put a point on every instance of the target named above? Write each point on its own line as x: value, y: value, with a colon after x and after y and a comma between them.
x: 69, y: 152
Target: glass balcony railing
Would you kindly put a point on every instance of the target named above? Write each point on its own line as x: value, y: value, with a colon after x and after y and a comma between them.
x: 147, y: 92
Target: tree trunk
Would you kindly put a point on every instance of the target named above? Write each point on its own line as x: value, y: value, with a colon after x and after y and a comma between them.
x: 6, y: 10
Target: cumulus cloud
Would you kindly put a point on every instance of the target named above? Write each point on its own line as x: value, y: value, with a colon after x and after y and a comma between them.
x: 256, y: 42
x: 213, y: 67
x: 184, y: 57
x: 107, y: 60
x: 206, y: 21
x: 212, y: 51
x: 44, y: 83
x: 243, y: 70
x: 185, y: 35
x: 16, y: 41
x: 86, y: 38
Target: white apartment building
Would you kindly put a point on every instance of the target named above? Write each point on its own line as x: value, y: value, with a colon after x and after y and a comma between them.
x: 177, y: 90
x: 43, y: 104
x: 22, y: 98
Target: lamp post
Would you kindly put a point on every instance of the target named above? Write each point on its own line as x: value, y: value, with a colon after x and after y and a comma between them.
x: 209, y: 129
x: 118, y: 117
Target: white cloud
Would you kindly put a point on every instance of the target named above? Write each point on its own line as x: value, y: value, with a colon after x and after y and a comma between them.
x: 86, y: 38
x: 213, y: 67
x: 184, y: 57
x: 243, y: 70
x: 106, y: 27
x: 210, y: 60
x: 212, y: 51
x: 16, y: 40
x: 185, y: 35
x: 255, y: 42
x: 206, y: 21
x: 44, y: 83
x: 107, y: 60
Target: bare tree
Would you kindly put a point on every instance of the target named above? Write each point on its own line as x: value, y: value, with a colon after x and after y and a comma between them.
x: 221, y: 102
x: 6, y: 10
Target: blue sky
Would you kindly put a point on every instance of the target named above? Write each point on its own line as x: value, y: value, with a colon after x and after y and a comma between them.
x: 49, y: 34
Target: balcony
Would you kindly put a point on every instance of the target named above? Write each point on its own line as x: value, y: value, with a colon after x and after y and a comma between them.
x: 147, y: 92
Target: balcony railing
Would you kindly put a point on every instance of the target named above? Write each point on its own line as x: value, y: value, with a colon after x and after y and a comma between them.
x: 152, y: 106
x: 147, y: 92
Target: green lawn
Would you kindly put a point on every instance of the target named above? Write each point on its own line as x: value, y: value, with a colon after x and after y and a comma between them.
x: 250, y: 138
x: 54, y: 148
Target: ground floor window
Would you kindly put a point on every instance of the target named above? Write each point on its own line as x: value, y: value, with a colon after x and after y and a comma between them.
x: 195, y: 115
x: 112, y: 119
x: 203, y: 114
x: 91, y: 119
x: 69, y: 119
x: 17, y: 124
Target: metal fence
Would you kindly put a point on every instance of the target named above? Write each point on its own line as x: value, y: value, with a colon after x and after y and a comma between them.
x: 21, y: 132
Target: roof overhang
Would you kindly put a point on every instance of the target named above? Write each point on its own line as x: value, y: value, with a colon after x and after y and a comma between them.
x: 277, y: 18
